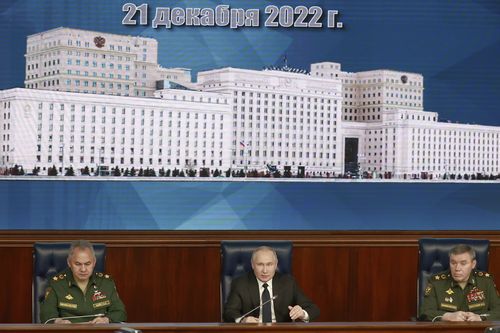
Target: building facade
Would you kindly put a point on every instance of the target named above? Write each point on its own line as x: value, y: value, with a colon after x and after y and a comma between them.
x: 281, y: 118
x: 179, y: 129
x: 384, y: 122
x: 102, y: 100
x: 74, y: 60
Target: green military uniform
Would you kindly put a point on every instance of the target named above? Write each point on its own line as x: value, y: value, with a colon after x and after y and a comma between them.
x: 443, y: 294
x: 63, y: 298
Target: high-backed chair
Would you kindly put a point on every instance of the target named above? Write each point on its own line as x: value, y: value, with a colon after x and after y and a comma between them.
x: 48, y: 260
x: 236, y: 257
x: 433, y: 258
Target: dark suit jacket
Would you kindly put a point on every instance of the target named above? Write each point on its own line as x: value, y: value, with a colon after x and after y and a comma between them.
x: 244, y: 296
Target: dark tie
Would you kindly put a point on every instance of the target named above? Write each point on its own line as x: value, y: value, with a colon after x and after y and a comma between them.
x: 266, y: 308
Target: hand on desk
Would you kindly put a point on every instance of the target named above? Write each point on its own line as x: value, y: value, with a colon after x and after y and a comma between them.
x: 461, y: 316
x: 297, y: 312
x: 61, y: 321
x: 99, y: 320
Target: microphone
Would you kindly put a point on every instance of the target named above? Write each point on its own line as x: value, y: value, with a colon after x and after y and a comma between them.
x: 238, y: 320
x: 75, y: 317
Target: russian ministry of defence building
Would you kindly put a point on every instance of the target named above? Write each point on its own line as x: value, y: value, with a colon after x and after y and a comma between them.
x: 101, y: 100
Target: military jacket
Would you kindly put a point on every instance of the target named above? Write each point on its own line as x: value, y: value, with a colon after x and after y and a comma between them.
x: 63, y: 298
x: 442, y: 294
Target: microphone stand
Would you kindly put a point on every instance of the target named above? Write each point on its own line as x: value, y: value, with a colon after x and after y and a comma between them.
x: 239, y: 319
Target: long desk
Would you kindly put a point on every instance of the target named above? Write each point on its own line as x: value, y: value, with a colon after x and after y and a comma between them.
x: 338, y: 327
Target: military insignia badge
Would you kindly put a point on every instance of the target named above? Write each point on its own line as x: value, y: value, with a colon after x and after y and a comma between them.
x: 476, y: 305
x: 47, y: 292
x: 448, y: 306
x: 69, y: 297
x: 68, y: 305
x: 448, y: 299
x: 487, y: 274
x: 443, y: 276
x: 449, y: 291
x: 475, y: 295
x: 428, y: 290
x: 98, y: 295
x: 436, y: 277
x: 55, y: 278
x: 101, y: 304
x: 99, y: 41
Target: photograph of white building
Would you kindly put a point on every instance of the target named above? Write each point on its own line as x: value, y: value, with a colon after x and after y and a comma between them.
x: 102, y: 101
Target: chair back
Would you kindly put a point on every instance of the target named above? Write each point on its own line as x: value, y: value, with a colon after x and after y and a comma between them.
x: 236, y: 260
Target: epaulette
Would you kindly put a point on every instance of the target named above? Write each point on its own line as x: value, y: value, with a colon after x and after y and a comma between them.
x: 441, y: 277
x: 483, y: 274
x: 59, y: 277
x: 102, y: 275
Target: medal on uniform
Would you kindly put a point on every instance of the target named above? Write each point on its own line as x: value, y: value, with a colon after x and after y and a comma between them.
x: 98, y: 295
x: 69, y: 297
x: 449, y: 292
x: 475, y: 295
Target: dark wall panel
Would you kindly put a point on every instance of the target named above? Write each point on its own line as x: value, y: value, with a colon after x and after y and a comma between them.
x: 174, y: 277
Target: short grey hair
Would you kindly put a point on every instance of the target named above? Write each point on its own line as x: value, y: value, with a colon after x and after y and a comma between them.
x: 461, y: 249
x: 264, y: 248
x: 81, y: 245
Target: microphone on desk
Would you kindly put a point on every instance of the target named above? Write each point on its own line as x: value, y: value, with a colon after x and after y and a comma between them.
x: 75, y: 317
x: 238, y: 320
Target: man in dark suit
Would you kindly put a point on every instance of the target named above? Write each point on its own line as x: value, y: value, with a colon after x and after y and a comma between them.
x: 279, y: 295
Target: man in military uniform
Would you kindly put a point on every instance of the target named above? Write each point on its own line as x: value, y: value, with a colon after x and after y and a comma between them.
x: 80, y: 292
x: 461, y: 293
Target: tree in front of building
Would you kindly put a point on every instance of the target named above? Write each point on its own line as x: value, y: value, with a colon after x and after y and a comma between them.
x: 117, y: 172
x: 52, y: 171
x: 85, y: 171
x: 70, y: 171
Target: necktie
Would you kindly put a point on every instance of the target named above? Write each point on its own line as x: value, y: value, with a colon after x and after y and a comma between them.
x: 266, y: 308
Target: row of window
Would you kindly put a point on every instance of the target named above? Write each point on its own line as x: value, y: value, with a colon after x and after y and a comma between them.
x: 122, y: 161
x: 95, y: 64
x: 262, y: 162
x: 124, y: 112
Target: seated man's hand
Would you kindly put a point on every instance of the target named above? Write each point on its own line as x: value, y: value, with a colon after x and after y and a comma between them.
x: 472, y: 316
x: 61, y: 321
x: 99, y: 320
x: 249, y: 320
x: 296, y: 312
x: 455, y: 316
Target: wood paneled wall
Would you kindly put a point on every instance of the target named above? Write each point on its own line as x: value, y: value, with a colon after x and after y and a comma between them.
x: 174, y: 276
